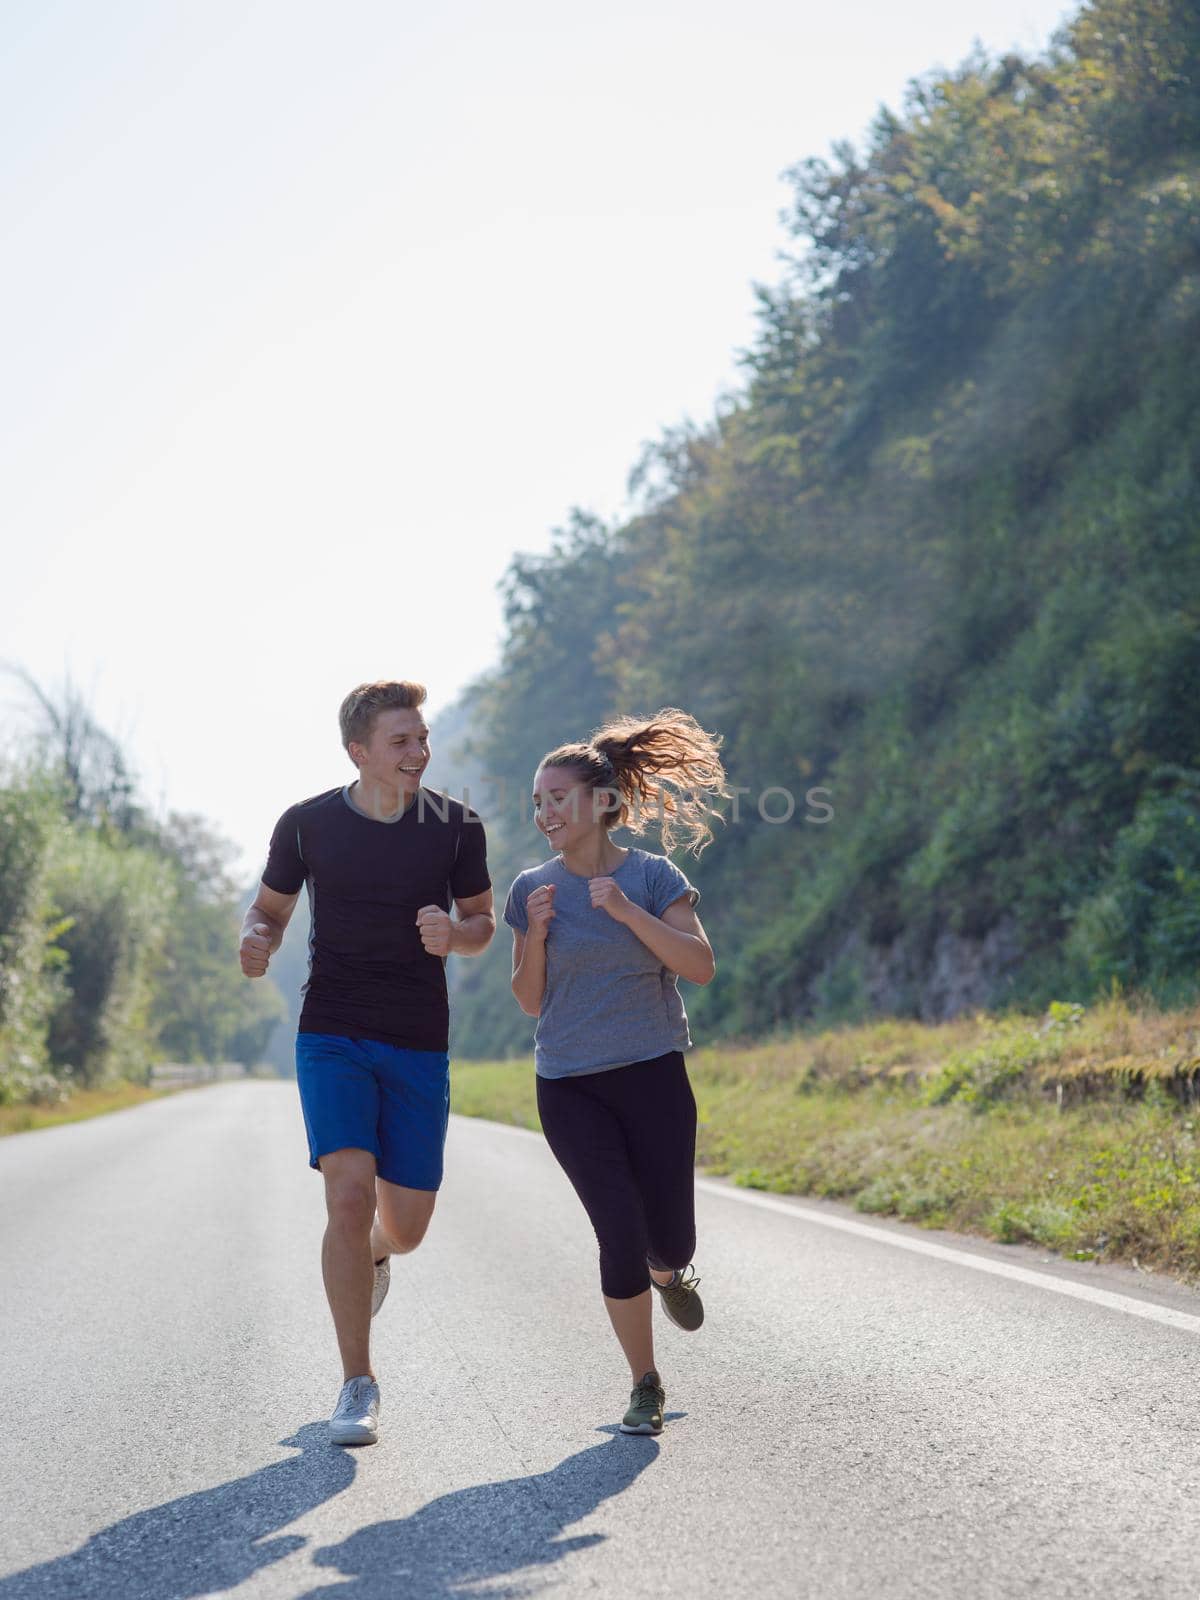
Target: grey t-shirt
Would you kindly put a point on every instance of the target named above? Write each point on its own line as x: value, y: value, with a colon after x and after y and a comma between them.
x: 609, y: 1000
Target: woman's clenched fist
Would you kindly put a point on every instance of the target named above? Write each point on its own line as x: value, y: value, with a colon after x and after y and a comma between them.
x: 539, y: 908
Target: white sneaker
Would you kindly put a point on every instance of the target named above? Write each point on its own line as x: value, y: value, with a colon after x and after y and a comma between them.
x: 356, y: 1417
x: 383, y: 1282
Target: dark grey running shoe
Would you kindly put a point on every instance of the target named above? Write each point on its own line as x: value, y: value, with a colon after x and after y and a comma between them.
x: 645, y: 1414
x: 680, y: 1300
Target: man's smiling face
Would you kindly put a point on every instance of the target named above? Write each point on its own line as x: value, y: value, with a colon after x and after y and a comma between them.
x: 397, y: 752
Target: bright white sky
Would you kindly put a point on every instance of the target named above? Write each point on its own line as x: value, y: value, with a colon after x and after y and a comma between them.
x: 313, y: 314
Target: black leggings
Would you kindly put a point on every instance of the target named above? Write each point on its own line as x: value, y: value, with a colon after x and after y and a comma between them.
x: 626, y: 1138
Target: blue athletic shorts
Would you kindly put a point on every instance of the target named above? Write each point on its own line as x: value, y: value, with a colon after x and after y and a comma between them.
x: 359, y: 1094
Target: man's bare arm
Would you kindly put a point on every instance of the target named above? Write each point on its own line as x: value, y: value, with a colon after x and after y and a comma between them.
x: 471, y: 934
x: 467, y: 935
x: 263, y: 928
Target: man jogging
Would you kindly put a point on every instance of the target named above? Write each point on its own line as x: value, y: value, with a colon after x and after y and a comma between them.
x: 382, y: 859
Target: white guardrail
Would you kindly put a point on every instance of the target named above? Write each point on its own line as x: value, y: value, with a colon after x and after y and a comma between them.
x: 177, y: 1074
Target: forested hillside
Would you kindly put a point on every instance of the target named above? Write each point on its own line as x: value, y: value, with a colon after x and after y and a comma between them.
x: 941, y: 557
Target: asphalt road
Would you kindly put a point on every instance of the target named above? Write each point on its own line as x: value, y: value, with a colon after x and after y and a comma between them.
x: 856, y: 1418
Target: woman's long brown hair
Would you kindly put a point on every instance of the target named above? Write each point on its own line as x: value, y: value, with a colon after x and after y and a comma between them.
x: 665, y: 766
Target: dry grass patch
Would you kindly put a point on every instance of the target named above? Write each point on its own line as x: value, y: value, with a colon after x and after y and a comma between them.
x: 77, y: 1107
x: 960, y: 1125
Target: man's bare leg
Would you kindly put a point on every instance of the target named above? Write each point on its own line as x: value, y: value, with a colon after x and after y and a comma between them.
x: 346, y: 1254
x: 403, y: 1218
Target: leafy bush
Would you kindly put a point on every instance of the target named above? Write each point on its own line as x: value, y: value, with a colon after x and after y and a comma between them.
x: 29, y: 974
x: 1142, y: 926
x: 980, y: 1077
x: 1038, y: 1221
x: 115, y: 901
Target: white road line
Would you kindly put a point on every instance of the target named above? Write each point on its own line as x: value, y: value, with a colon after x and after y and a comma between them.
x: 961, y: 1258
x: 1125, y: 1303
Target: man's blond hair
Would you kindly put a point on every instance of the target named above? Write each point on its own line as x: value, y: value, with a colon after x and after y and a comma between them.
x: 362, y: 706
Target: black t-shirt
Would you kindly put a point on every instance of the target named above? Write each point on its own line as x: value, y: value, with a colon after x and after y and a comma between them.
x: 370, y: 977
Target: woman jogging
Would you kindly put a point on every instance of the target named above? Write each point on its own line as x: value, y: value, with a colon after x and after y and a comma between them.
x: 600, y: 935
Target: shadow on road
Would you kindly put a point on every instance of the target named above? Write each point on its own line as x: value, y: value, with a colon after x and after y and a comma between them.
x: 213, y: 1540
x: 453, y: 1546
x: 200, y: 1543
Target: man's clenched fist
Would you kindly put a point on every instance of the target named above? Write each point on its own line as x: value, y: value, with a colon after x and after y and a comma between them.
x: 433, y: 924
x: 256, y: 950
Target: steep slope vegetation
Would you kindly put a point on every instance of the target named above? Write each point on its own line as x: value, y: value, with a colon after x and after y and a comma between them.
x: 941, y: 559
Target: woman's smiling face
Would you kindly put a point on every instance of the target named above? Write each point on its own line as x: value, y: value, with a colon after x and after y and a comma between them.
x: 565, y: 809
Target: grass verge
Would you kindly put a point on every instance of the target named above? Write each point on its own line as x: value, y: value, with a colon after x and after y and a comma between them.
x: 1076, y: 1131
x: 77, y: 1107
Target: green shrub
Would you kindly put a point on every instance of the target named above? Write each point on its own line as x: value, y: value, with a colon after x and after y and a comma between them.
x: 115, y: 901
x: 1037, y: 1221
x: 1141, y: 928
x: 979, y: 1078
x: 878, y: 1197
x: 29, y: 962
